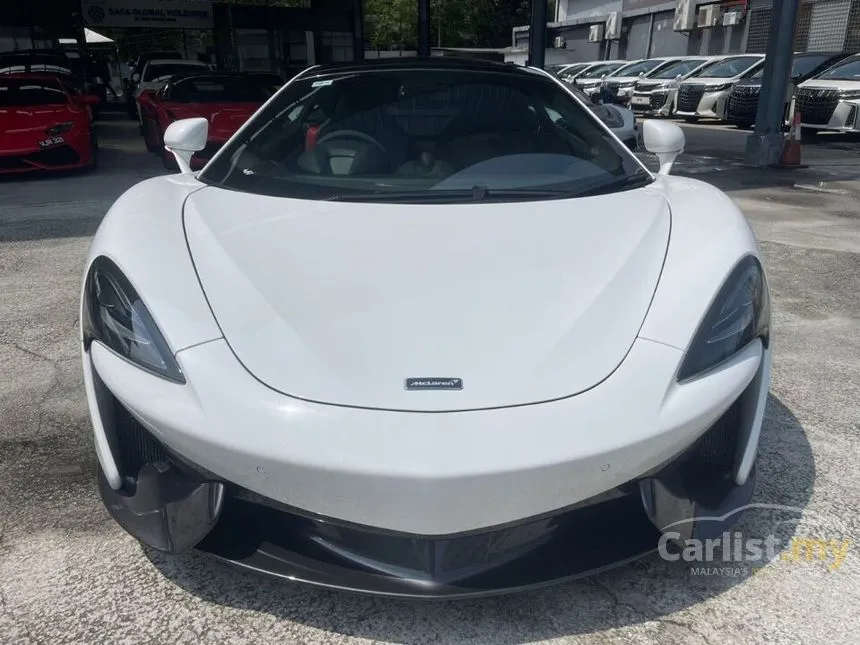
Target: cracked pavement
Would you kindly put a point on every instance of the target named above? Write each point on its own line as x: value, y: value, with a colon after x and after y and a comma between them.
x: 69, y: 574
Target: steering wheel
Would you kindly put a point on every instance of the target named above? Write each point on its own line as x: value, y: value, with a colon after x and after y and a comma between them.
x: 352, y: 134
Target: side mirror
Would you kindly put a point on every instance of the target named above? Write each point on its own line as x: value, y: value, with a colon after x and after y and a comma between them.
x: 665, y: 140
x: 135, y: 78
x: 641, y: 74
x: 679, y: 77
x: 185, y: 137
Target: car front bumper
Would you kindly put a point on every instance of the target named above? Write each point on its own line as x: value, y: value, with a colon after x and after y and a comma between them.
x: 711, y: 105
x: 653, y: 103
x: 75, y: 152
x: 423, y: 504
x: 844, y: 118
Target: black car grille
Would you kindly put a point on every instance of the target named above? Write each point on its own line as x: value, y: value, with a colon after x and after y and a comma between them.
x: 689, y: 97
x: 59, y: 156
x: 816, y: 106
x: 658, y: 100
x: 135, y: 447
x: 13, y: 163
x: 743, y: 101
x: 718, y: 445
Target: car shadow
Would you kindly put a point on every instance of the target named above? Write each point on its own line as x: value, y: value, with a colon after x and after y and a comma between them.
x: 642, y: 591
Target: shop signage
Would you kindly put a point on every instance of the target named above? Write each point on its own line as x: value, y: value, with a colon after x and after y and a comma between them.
x: 158, y: 14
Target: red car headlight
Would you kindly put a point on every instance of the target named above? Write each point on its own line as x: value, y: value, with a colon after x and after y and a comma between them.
x: 60, y: 128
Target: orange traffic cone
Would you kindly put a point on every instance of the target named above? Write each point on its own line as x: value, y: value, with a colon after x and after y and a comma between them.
x: 791, y: 151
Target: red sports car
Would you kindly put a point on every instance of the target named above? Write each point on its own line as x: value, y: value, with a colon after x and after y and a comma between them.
x: 225, y: 100
x: 43, y: 125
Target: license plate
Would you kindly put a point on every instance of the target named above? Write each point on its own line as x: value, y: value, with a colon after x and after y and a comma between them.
x: 640, y: 100
x: 53, y: 141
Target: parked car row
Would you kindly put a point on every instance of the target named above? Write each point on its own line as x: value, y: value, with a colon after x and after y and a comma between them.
x: 825, y: 87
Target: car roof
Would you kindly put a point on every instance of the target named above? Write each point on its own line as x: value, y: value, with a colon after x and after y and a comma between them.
x: 825, y: 54
x: 30, y: 53
x: 205, y: 73
x: 174, y: 61
x: 414, y: 62
x: 31, y: 76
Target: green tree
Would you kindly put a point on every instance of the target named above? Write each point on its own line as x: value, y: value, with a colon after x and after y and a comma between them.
x: 454, y: 23
x: 391, y: 23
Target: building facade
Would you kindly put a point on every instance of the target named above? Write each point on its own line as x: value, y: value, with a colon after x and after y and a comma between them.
x: 647, y: 29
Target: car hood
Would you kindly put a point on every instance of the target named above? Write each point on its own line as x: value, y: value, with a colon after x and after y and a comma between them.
x: 342, y: 302
x: 224, y: 118
x: 29, y: 120
x: 749, y: 82
x: 821, y: 84
x: 710, y: 81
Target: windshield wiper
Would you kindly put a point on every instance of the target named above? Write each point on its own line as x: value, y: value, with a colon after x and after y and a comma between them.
x: 476, y: 194
x: 627, y: 182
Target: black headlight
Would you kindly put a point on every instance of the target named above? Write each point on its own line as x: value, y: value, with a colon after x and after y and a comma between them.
x: 115, y: 316
x: 60, y: 128
x: 739, y: 315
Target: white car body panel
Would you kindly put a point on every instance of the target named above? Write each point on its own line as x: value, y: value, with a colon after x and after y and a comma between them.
x: 713, y: 102
x: 427, y: 474
x: 846, y: 116
x: 282, y: 284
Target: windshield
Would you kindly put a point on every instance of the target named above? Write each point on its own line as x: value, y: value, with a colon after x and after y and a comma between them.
x: 729, y: 67
x: 800, y: 67
x: 599, y: 70
x: 806, y: 64
x: 220, y: 89
x: 845, y: 71
x: 161, y: 70
x: 425, y: 136
x: 565, y: 70
x: 681, y: 68
x: 30, y: 93
x: 635, y: 69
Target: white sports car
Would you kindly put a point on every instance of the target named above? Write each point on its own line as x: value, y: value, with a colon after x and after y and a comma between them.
x: 409, y: 334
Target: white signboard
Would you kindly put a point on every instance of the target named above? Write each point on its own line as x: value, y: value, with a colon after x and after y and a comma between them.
x: 158, y: 14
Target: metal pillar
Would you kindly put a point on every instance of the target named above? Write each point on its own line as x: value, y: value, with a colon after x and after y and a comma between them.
x: 423, y: 27
x: 650, y: 37
x: 537, y: 34
x: 357, y: 30
x: 764, y: 146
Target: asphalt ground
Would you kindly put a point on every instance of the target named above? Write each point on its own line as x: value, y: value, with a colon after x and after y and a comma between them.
x: 69, y: 574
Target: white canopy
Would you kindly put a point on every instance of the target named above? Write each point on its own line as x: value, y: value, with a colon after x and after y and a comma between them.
x: 95, y: 37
